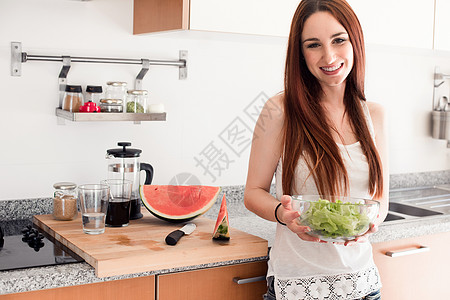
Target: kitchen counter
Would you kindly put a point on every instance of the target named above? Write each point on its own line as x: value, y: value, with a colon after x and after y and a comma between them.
x: 240, y: 218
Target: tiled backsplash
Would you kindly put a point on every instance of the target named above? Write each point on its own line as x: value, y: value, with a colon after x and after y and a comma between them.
x: 26, y: 208
x: 419, y: 179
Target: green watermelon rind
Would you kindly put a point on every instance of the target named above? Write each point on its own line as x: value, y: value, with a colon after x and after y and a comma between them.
x: 222, y: 227
x: 180, y: 218
x: 222, y: 232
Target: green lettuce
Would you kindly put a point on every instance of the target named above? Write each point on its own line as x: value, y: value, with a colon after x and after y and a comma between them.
x: 335, y: 219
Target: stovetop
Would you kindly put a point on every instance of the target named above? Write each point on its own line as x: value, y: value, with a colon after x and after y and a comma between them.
x: 26, y: 246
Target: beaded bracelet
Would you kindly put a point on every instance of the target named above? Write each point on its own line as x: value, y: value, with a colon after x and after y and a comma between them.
x: 276, y: 217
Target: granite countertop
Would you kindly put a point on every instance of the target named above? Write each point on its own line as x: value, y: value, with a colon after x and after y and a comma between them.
x: 240, y: 218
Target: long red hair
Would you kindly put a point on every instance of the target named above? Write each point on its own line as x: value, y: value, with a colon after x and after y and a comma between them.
x: 305, y: 132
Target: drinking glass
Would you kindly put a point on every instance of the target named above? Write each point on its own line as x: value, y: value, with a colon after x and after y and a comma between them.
x: 94, y: 200
x: 118, y: 214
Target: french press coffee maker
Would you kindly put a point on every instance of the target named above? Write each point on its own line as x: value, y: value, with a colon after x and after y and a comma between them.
x: 123, y: 163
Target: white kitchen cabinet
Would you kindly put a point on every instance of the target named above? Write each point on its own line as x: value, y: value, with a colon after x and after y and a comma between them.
x: 385, y: 22
x: 402, y: 23
x: 260, y: 17
x: 415, y: 268
x: 442, y: 25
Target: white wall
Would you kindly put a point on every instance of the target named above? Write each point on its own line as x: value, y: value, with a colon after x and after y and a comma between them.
x: 226, y: 74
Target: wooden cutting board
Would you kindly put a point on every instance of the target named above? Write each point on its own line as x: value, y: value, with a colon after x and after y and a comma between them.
x: 141, y: 246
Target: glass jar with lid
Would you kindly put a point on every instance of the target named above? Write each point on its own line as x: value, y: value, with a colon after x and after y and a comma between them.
x: 73, y: 98
x: 65, y: 201
x: 116, y: 90
x: 94, y: 93
x: 111, y: 105
x: 137, y: 101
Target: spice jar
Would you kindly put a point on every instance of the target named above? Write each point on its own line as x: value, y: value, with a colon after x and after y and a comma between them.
x: 116, y: 90
x: 65, y: 201
x: 111, y: 105
x: 94, y: 93
x: 137, y: 101
x: 73, y: 98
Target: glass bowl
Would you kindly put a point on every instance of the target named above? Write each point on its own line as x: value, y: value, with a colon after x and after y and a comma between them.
x: 339, y: 219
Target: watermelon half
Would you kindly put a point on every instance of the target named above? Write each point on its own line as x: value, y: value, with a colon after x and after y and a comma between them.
x: 178, y: 203
x: 222, y: 228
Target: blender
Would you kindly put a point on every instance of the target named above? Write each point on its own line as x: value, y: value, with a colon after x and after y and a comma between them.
x: 123, y: 163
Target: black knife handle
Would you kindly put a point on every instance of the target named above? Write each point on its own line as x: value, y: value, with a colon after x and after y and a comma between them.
x: 174, y: 237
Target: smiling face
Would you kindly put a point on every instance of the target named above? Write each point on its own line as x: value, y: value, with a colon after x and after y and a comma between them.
x: 327, y: 49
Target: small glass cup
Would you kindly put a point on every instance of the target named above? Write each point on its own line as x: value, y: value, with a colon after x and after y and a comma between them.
x: 118, y: 214
x: 94, y: 200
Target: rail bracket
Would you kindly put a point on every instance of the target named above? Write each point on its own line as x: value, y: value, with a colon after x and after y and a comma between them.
x: 16, y: 59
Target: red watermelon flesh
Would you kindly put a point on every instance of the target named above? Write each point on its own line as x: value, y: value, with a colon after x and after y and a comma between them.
x: 222, y: 228
x: 178, y: 203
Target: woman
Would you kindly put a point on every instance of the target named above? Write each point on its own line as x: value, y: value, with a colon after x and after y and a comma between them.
x: 327, y: 140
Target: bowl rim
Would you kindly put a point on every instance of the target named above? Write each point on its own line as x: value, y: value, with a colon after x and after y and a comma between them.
x: 367, y: 200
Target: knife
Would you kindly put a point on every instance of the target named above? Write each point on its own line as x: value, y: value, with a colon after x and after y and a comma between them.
x: 173, y: 237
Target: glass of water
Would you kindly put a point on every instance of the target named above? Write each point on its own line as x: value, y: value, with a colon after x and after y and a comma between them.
x: 94, y: 199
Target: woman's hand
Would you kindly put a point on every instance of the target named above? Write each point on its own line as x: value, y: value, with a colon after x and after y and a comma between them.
x: 363, y: 238
x: 289, y: 216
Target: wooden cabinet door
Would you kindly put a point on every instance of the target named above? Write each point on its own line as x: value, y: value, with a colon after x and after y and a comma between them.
x: 402, y: 23
x: 133, y: 288
x: 156, y: 15
x: 416, y: 273
x: 215, y: 283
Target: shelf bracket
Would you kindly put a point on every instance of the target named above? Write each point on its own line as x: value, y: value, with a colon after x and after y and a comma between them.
x: 183, y: 69
x: 62, y: 78
x: 16, y: 59
x: 140, y: 76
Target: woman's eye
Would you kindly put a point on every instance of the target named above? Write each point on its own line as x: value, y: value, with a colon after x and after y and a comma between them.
x: 339, y: 40
x: 313, y: 45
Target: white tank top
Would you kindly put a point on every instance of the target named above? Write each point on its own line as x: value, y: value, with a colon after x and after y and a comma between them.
x: 308, y: 270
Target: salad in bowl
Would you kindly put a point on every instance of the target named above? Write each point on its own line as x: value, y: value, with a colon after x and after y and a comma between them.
x: 338, y: 219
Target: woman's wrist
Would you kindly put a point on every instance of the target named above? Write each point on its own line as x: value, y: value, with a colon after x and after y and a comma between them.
x: 276, y: 215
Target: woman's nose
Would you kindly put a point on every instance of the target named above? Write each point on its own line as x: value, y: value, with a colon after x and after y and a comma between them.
x: 329, y: 55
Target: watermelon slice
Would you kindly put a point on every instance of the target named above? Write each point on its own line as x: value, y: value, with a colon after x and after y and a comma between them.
x: 222, y: 228
x: 178, y: 203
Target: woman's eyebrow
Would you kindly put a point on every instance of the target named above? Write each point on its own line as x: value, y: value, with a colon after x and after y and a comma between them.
x: 333, y: 36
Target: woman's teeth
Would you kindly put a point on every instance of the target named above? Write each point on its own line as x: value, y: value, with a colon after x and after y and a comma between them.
x: 331, y: 69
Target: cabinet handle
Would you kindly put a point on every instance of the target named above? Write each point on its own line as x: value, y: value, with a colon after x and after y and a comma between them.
x: 239, y: 280
x: 408, y: 252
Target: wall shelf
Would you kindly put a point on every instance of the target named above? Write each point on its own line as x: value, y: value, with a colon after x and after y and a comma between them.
x: 98, y: 117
